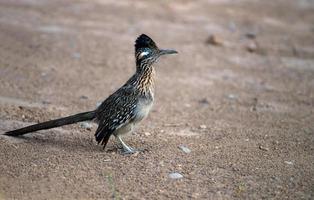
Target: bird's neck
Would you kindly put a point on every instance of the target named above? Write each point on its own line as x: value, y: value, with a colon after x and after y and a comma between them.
x: 145, y: 79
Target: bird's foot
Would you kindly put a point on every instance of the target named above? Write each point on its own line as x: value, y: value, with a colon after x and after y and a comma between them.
x: 126, y: 150
x: 130, y: 150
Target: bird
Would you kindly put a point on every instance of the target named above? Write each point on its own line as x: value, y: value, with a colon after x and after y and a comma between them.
x: 121, y: 111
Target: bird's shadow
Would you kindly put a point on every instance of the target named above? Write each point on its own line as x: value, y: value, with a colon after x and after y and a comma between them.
x: 76, y: 144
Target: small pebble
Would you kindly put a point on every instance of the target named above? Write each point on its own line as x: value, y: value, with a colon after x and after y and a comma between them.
x: 175, y: 175
x: 214, y: 40
x: 231, y: 96
x: 135, y: 154
x: 83, y: 97
x: 203, y: 126
x: 275, y: 178
x: 147, y: 133
x: 289, y: 162
x: 187, y: 105
x: 76, y: 55
x: 251, y: 46
x: 185, y: 149
x: 232, y: 26
x: 86, y: 125
x: 263, y: 148
x: 250, y: 35
x: 203, y: 101
x: 46, y: 102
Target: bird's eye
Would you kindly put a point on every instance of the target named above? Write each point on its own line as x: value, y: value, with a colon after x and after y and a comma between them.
x: 144, y: 53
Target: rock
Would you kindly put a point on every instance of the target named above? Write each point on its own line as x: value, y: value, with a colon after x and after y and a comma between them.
x: 232, y: 26
x: 175, y: 175
x: 250, y: 35
x: 203, y: 126
x: 251, y: 46
x: 235, y: 169
x: 254, y: 106
x: 86, y: 125
x: 187, y: 105
x: 83, y: 97
x: 295, y: 51
x: 184, y: 149
x: 147, y: 133
x: 263, y: 148
x: 76, y: 55
x: 231, y: 96
x: 46, y: 102
x: 214, y: 40
x: 203, y: 101
x: 135, y: 154
x: 275, y: 178
x: 289, y: 162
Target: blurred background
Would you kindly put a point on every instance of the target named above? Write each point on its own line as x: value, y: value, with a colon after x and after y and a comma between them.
x: 233, y: 116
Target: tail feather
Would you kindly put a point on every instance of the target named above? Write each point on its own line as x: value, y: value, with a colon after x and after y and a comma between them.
x: 54, y: 123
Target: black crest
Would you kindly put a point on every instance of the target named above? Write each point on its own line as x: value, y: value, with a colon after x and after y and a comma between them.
x: 143, y: 41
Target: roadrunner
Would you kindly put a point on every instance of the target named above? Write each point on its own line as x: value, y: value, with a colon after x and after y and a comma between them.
x: 123, y: 109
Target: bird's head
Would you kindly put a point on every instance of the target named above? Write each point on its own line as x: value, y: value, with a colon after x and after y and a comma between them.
x: 147, y: 52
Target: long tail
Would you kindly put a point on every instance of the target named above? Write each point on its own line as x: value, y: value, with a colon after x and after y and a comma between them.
x: 54, y: 123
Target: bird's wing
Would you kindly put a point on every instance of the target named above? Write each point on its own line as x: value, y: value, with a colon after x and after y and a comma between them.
x: 116, y: 111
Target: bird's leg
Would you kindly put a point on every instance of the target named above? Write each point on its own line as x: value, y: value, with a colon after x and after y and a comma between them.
x: 126, y: 148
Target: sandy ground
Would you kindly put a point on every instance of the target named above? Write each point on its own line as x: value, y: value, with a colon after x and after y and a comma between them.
x: 243, y: 106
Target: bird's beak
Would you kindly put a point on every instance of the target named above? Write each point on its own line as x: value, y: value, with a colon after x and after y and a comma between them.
x: 167, y: 51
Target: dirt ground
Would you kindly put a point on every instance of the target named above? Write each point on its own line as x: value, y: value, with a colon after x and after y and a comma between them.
x: 242, y: 101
